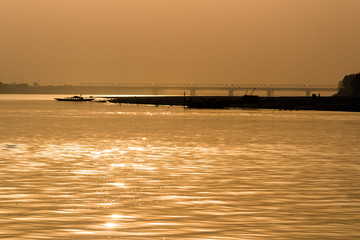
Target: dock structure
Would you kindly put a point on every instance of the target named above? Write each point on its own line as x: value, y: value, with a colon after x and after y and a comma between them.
x: 230, y: 88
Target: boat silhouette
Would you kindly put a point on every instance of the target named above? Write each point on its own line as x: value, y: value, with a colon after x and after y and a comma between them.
x: 75, y: 99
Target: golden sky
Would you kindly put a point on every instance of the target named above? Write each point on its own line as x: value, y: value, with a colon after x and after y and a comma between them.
x: 179, y: 41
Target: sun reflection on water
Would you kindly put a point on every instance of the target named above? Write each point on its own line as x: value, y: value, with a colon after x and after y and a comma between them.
x: 122, y: 185
x: 118, y: 216
x: 110, y: 225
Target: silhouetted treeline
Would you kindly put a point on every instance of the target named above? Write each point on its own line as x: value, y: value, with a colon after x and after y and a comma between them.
x: 12, y: 88
x: 349, y: 86
x: 23, y: 88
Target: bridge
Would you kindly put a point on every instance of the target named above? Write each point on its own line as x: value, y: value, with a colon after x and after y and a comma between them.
x: 230, y: 88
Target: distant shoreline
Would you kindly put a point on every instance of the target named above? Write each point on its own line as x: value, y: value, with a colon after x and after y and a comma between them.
x: 347, y: 104
x: 26, y: 89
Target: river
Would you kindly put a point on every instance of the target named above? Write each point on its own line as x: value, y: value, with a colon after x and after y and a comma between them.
x: 109, y: 171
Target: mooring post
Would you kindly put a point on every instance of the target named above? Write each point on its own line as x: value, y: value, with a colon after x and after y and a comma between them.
x: 269, y: 92
x: 308, y: 92
x: 231, y: 92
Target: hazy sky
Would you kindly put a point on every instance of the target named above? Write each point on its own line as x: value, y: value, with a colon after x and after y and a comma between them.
x: 179, y: 41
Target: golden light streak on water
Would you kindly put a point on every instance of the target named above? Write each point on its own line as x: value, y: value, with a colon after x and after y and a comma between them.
x: 110, y: 225
x: 122, y: 185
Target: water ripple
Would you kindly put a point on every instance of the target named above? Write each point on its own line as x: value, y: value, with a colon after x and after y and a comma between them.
x: 175, y: 174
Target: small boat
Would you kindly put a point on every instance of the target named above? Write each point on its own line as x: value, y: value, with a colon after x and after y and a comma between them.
x: 75, y: 99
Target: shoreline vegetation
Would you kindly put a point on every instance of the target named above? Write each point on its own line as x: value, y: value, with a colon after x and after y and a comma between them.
x: 346, y: 99
x: 23, y: 88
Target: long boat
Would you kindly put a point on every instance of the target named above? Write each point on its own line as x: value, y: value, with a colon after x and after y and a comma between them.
x: 75, y: 99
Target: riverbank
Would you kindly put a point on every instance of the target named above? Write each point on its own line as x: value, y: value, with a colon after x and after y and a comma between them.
x: 351, y: 104
x: 281, y: 103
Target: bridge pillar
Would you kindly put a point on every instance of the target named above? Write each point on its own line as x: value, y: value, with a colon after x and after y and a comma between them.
x: 155, y: 91
x: 308, y: 93
x: 192, y: 92
x: 231, y: 92
x: 269, y: 92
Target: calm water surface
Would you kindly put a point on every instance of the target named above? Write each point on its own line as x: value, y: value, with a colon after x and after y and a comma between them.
x: 101, y: 171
